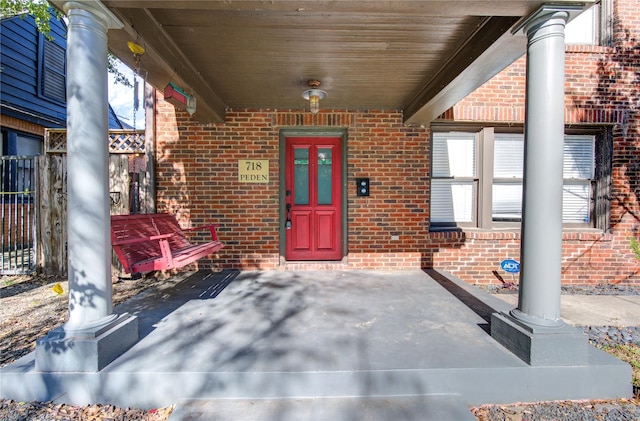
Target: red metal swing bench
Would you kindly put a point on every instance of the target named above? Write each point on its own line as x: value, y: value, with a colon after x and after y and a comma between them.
x: 148, y: 242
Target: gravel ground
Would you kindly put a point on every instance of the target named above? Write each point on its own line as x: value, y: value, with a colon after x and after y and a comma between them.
x: 602, y: 289
x: 562, y: 411
x: 610, y: 335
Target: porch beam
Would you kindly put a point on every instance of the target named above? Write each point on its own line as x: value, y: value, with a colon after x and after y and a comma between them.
x: 492, y: 48
x: 166, y: 59
x: 498, y: 43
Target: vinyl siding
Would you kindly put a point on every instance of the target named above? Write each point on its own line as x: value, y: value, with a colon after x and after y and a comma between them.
x: 20, y: 79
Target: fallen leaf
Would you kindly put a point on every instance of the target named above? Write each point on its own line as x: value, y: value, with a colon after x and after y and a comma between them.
x: 57, y: 288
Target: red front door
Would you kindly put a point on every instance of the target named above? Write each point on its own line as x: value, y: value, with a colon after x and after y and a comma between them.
x: 313, y: 198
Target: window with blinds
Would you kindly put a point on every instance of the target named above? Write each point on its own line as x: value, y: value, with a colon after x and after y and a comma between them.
x: 508, y: 159
x: 458, y: 170
x: 578, y: 172
x: 453, y: 185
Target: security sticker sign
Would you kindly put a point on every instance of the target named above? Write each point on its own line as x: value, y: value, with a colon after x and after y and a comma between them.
x: 253, y: 170
x: 510, y: 265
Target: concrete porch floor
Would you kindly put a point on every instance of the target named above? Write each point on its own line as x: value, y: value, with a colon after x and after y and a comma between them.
x: 317, y: 335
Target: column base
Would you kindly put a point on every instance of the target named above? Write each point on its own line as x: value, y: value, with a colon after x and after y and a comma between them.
x: 89, y: 350
x: 560, y: 345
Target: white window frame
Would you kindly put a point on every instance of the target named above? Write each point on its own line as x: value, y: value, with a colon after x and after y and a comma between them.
x: 458, y: 182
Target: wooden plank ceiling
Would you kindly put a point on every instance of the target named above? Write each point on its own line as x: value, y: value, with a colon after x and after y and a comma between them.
x: 417, y: 56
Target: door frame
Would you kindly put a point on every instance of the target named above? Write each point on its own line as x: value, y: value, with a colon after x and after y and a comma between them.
x: 310, y: 132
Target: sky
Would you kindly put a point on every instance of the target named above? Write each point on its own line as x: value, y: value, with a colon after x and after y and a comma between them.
x: 121, y: 99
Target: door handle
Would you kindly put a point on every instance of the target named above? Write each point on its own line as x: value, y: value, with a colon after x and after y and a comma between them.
x: 288, y: 224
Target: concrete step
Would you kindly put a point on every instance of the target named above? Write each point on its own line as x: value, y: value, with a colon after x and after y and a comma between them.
x: 424, y: 408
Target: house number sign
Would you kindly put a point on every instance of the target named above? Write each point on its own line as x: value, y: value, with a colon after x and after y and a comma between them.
x: 253, y: 170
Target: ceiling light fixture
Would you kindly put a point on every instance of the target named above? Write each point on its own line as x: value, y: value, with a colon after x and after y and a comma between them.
x: 314, y: 95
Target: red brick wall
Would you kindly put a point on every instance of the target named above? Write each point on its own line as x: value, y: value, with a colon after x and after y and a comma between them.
x: 197, y: 176
x: 196, y: 172
x: 601, y: 89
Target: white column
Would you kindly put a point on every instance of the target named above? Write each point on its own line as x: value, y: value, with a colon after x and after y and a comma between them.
x: 94, y: 336
x: 541, y: 247
x: 89, y: 243
x: 534, y: 331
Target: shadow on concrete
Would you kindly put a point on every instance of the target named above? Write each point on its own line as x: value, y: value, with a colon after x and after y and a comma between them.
x: 472, y: 300
x: 157, y: 303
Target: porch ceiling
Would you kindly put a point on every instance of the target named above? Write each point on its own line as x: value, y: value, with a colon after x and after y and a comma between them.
x: 418, y: 56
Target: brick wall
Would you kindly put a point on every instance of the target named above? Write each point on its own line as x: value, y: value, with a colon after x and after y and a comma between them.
x: 601, y: 89
x: 196, y: 172
x: 196, y: 169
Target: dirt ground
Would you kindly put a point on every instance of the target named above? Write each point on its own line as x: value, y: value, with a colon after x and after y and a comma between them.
x: 30, y: 306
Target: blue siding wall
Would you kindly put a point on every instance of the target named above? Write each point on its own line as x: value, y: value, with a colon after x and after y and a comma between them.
x: 20, y: 44
x: 21, y: 75
x: 114, y: 121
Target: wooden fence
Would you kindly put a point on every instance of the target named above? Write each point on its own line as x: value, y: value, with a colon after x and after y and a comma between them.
x: 130, y: 177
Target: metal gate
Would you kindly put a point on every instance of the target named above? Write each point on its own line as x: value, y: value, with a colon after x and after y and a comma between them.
x: 17, y: 184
